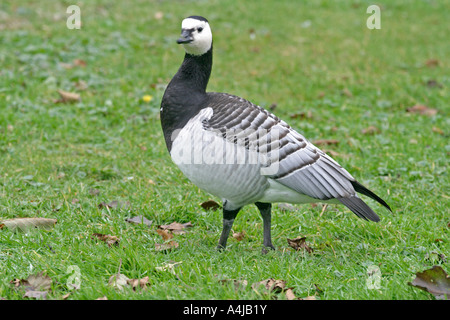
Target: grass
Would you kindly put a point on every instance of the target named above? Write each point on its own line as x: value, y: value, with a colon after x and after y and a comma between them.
x: 316, y: 57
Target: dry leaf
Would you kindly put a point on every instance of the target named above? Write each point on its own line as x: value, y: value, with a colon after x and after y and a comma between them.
x: 309, y: 298
x: 114, y: 204
x: 34, y: 282
x: 102, y: 298
x: 271, y: 285
x: 176, y: 227
x: 36, y: 294
x: 26, y: 224
x: 140, y: 220
x: 81, y: 85
x: 432, y: 62
x: 347, y: 93
x: 435, y: 281
x: 118, y: 281
x: 301, y: 115
x: 325, y: 142
x: 165, y: 234
x: 138, y: 283
x: 64, y: 297
x: 422, y: 109
x: 79, y: 63
x: 370, y: 130
x: 239, y: 236
x: 36, y: 285
x: 210, y: 205
x: 109, y: 239
x: 438, y: 130
x: 299, y: 243
x: 68, y: 97
x: 290, y: 294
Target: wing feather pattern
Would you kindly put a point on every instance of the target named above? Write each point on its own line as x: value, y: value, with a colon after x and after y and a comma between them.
x: 302, y: 166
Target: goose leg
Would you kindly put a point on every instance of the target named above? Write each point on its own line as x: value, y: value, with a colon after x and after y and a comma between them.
x: 265, y: 210
x: 228, y: 219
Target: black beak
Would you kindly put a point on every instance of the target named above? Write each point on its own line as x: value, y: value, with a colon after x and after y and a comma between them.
x: 186, y: 36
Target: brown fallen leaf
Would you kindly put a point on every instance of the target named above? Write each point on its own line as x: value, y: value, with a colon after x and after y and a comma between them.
x: 290, y: 294
x: 118, y: 281
x: 299, y: 243
x: 438, y: 130
x: 68, y: 97
x: 346, y: 92
x: 79, y: 63
x: 37, y: 281
x: 81, y: 85
x: 422, y: 109
x: 271, y: 285
x: 165, y: 234
x: 36, y: 285
x: 140, y: 220
x: 301, y: 115
x: 370, y: 130
x: 308, y: 298
x: 138, y: 283
x: 210, y: 205
x: 435, y: 281
x: 239, y: 236
x: 325, y: 142
x: 114, y: 204
x: 108, y: 239
x: 26, y: 224
x: 176, y: 227
x: 41, y: 295
x: 102, y: 298
x: 432, y: 63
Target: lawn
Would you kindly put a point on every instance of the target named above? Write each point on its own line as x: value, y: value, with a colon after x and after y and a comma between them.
x: 378, y: 97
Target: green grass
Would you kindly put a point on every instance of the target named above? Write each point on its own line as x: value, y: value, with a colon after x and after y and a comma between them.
x: 306, y: 58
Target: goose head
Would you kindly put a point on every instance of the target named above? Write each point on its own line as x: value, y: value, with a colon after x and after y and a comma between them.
x: 196, y: 35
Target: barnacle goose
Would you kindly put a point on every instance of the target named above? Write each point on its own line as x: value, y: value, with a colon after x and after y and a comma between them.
x: 239, y: 151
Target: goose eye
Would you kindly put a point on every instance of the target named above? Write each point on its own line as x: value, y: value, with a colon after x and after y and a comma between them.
x: 200, y: 29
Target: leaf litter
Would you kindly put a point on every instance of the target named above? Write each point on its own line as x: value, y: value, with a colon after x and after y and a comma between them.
x: 36, y: 285
x: 299, y: 244
x: 27, y: 224
x: 107, y: 238
x: 435, y: 281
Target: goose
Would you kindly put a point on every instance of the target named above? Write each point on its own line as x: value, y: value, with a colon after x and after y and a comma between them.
x: 242, y: 153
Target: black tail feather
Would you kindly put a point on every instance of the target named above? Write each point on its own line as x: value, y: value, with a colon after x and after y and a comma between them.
x: 363, y: 190
x: 360, y: 208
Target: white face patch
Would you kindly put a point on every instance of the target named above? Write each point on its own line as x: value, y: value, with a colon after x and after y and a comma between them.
x: 202, y: 39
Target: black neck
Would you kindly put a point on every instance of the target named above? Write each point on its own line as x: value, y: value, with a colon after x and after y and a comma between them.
x: 194, y: 72
x: 185, y: 94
